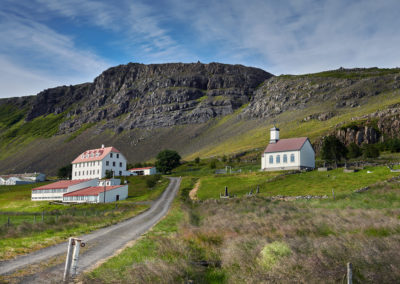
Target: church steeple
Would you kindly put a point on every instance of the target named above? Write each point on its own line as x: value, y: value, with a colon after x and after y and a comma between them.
x: 274, y: 135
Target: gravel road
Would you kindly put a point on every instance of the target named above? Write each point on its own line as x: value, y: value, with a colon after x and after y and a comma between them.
x: 100, y: 244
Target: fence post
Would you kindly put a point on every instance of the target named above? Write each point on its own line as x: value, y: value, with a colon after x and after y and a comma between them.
x: 42, y: 216
x: 333, y: 194
x: 8, y: 221
x: 34, y: 219
x: 75, y: 257
x: 349, y: 273
x: 68, y: 260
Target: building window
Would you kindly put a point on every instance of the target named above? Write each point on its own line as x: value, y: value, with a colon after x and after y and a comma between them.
x: 75, y: 173
x: 120, y: 173
x: 271, y: 159
x: 292, y: 158
x: 284, y: 158
x: 110, y: 155
x: 120, y: 164
x: 98, y: 171
x: 107, y: 163
x: 117, y: 156
x: 113, y: 164
x: 278, y: 159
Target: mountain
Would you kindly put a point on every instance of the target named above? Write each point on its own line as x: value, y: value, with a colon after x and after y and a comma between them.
x: 197, y: 109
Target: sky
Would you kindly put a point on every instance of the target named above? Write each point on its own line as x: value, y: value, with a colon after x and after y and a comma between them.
x: 48, y: 43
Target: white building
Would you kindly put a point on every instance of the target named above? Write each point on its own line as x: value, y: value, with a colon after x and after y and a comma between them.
x: 94, y: 163
x: 287, y: 154
x: 56, y: 190
x: 98, y: 194
x: 80, y: 191
x: 144, y: 171
x: 15, y: 179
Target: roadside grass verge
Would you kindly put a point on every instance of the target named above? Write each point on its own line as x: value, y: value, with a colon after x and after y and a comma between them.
x: 145, y: 250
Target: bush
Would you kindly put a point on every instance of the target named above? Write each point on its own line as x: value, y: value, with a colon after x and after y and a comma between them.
x: 333, y: 149
x: 197, y: 160
x: 370, y: 151
x: 354, y: 151
x: 65, y: 172
x: 213, y: 164
x: 167, y: 160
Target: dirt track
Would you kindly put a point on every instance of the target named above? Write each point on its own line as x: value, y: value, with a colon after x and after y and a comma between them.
x: 100, y: 244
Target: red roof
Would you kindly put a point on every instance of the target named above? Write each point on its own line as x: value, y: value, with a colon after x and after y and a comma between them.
x: 61, y: 184
x: 141, y: 169
x: 292, y: 144
x: 94, y: 155
x: 93, y: 190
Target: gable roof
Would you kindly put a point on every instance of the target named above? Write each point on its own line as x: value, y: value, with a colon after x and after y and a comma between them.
x: 291, y: 144
x: 61, y: 184
x: 92, y: 190
x: 94, y: 155
x: 140, y: 169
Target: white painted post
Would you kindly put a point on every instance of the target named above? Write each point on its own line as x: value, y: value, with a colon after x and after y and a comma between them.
x: 349, y: 273
x: 68, y: 260
x: 75, y: 257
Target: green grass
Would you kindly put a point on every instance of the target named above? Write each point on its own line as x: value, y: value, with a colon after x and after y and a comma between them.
x: 138, y: 189
x: 10, y: 115
x: 308, y: 183
x: 79, y: 131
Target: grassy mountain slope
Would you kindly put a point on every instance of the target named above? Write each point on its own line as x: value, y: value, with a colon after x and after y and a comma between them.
x: 306, y: 105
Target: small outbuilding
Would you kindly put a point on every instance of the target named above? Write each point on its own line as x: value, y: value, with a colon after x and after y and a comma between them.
x: 146, y: 171
x: 97, y: 194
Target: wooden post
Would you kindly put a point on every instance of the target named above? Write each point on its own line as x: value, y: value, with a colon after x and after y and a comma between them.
x: 333, y: 194
x: 75, y: 257
x: 349, y: 273
x: 258, y: 189
x: 68, y: 260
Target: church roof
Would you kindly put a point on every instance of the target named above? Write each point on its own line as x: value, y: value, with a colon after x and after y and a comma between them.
x: 282, y: 145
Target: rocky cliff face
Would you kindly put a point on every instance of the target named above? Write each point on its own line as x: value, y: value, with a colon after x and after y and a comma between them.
x: 341, y: 88
x: 157, y: 95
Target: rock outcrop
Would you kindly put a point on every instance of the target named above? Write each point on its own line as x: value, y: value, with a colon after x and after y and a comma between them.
x: 157, y: 95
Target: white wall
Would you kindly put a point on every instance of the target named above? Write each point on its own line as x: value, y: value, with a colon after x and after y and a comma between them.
x: 93, y: 182
x: 111, y: 194
x: 281, y: 165
x: 97, y: 169
x: 307, y: 155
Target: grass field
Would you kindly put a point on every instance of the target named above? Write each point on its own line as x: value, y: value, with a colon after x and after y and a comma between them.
x: 27, y: 231
x: 281, y: 183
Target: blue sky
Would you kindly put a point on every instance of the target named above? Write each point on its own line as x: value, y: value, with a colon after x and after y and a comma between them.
x: 47, y: 43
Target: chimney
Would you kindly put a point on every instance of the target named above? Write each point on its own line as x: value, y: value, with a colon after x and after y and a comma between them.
x: 102, y: 146
x: 274, y: 135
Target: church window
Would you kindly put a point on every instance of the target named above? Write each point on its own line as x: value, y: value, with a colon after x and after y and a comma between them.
x: 284, y: 158
x: 271, y: 159
x: 292, y: 158
x: 278, y: 159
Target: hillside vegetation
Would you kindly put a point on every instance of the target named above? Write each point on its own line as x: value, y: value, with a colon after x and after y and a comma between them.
x: 198, y: 109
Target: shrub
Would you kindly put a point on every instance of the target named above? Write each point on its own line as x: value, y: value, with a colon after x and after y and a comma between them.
x: 370, y: 151
x: 272, y: 253
x: 197, y: 160
x: 213, y: 164
x: 354, y: 151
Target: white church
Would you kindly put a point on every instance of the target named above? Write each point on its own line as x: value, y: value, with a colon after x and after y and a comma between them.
x: 287, y: 154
